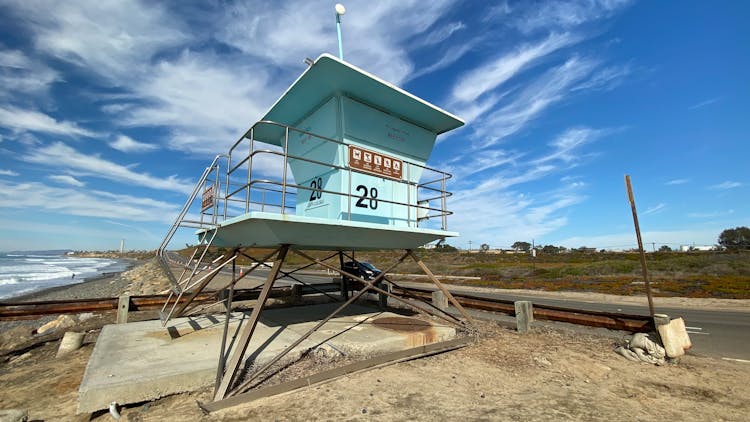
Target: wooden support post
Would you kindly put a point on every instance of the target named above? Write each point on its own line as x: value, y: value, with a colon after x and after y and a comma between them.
x: 439, y: 300
x: 123, y: 307
x: 247, y: 333
x: 640, y: 246
x: 524, y: 315
x: 440, y: 286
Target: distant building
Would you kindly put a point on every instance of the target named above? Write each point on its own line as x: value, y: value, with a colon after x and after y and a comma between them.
x: 688, y: 248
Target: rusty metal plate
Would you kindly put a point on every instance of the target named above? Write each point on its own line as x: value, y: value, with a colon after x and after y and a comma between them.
x: 402, y: 324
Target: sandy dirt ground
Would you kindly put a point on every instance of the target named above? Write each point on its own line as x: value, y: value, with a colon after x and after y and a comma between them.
x: 544, y: 375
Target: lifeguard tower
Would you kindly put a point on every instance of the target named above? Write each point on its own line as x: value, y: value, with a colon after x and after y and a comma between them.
x: 337, y: 164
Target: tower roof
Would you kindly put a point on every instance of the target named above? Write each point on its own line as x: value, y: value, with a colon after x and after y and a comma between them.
x: 329, y: 76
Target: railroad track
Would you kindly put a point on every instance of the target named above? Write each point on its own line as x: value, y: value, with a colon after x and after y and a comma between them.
x: 610, y: 320
x: 615, y: 321
x: 30, y: 310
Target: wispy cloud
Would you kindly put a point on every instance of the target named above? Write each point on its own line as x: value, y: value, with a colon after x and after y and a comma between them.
x: 674, y: 182
x: 253, y: 29
x: 20, y: 120
x: 6, y: 172
x: 655, y: 209
x: 545, y: 91
x: 710, y: 214
x: 514, y: 216
x: 127, y: 144
x: 564, y: 14
x: 564, y: 147
x: 452, y: 55
x: 67, y: 180
x: 114, y: 40
x: 726, y: 185
x: 495, y: 72
x: 704, y: 103
x: 19, y: 74
x: 201, y: 102
x: 60, y: 155
x: 492, y: 159
x: 148, y: 234
x: 441, y: 33
x: 80, y: 202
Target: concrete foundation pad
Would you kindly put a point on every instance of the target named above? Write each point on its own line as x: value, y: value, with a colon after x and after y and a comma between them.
x: 143, y: 361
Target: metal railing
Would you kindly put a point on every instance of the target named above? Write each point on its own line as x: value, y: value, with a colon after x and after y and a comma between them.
x: 258, y: 189
x: 255, y: 178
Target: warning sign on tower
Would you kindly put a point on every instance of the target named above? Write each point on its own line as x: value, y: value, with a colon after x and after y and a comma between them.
x: 374, y: 162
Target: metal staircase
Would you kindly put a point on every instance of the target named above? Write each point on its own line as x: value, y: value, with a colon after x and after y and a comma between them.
x: 196, y: 273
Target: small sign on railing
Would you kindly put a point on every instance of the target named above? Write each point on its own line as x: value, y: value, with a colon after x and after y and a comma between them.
x: 207, y: 201
x: 375, y: 162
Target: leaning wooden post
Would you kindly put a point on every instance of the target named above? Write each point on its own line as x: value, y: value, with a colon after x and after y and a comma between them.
x: 640, y: 246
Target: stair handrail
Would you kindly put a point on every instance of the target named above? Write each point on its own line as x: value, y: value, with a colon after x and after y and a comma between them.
x: 186, y: 207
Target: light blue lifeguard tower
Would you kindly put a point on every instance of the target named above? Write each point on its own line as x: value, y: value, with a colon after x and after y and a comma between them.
x: 338, y: 163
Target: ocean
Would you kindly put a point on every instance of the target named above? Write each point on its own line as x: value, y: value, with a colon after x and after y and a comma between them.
x: 26, y: 272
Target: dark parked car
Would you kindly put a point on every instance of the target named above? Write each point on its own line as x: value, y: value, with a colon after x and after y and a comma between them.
x: 362, y: 269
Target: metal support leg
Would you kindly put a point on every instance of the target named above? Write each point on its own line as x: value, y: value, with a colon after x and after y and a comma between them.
x: 241, y: 346
x: 222, y: 352
x: 344, y: 281
x: 368, y: 285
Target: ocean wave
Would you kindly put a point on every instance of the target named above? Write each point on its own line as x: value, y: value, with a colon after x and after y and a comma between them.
x: 7, y: 281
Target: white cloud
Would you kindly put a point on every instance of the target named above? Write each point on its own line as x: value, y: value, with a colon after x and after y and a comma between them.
x: 19, y: 120
x: 373, y: 32
x: 452, y: 55
x: 5, y: 172
x: 206, y: 106
x: 21, y: 75
x: 604, y: 79
x: 494, y: 73
x: 675, y: 182
x: 88, y: 203
x: 127, y: 144
x: 555, y: 15
x: 545, y: 91
x: 704, y: 103
x: 512, y: 217
x: 461, y: 167
x: 442, y: 33
x: 655, y: 209
x: 726, y: 185
x: 59, y: 155
x: 627, y: 240
x: 207, y: 99
x: 114, y: 39
x: 710, y: 214
x: 569, y: 141
x: 67, y: 180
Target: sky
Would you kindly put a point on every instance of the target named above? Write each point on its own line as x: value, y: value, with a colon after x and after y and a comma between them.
x: 110, y: 110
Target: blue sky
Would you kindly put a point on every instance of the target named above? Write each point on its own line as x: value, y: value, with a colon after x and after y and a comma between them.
x: 110, y: 110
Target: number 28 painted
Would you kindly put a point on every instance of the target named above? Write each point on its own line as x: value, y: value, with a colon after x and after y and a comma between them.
x: 372, y: 199
x: 368, y: 198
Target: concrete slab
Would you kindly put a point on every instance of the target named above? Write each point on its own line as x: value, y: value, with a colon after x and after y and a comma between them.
x: 143, y: 361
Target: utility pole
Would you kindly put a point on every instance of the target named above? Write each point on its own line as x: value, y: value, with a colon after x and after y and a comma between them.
x: 470, y: 246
